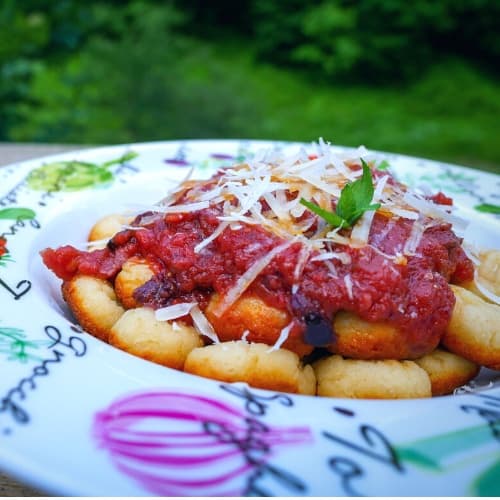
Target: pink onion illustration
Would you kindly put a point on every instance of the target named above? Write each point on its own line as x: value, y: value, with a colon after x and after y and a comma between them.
x: 177, y: 444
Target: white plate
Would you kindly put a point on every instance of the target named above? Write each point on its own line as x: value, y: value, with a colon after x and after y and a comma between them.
x: 78, y: 417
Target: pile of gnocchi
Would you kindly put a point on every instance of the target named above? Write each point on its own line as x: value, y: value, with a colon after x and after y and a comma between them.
x: 109, y: 311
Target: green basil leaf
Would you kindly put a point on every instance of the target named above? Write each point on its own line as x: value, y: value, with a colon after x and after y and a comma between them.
x: 355, y: 199
x: 346, y: 206
x: 365, y: 189
x: 356, y: 196
x: 331, y: 217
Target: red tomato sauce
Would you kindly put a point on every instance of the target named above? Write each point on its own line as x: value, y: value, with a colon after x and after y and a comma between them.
x: 412, y: 294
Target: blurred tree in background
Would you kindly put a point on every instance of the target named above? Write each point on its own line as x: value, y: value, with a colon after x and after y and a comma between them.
x: 378, y: 40
x: 416, y: 77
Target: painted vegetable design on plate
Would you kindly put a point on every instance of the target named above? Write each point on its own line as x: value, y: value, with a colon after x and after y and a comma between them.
x: 177, y: 444
x: 488, y: 208
x: 211, y: 161
x: 445, y: 451
x: 16, y: 213
x: 75, y: 175
x: 15, y: 344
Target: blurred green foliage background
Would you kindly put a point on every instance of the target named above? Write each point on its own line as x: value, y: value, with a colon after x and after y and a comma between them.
x: 415, y: 77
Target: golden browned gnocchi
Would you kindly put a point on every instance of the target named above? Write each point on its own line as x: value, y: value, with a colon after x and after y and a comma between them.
x: 244, y: 277
x: 107, y: 227
x: 474, y: 329
x: 371, y: 379
x: 251, y: 316
x: 488, y: 270
x: 134, y: 273
x: 94, y: 304
x: 138, y: 332
x: 447, y: 371
x: 487, y: 276
x: 179, y: 346
x: 359, y: 339
x: 255, y: 363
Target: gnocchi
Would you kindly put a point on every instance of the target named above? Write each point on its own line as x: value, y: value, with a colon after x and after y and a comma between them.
x: 250, y: 276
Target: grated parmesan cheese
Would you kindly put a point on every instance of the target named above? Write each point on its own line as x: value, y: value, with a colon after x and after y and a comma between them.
x: 174, y: 311
x: 344, y: 257
x: 493, y: 297
x: 220, y: 229
x: 411, y: 244
x: 430, y: 209
x: 202, y: 324
x: 179, y: 209
x: 267, y: 190
x: 285, y: 332
x: 247, y: 278
x: 348, y: 285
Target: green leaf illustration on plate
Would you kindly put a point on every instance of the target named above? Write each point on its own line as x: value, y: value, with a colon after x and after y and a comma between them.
x: 74, y: 175
x: 436, y: 452
x: 4, y: 256
x: 16, y: 347
x: 487, y: 484
x: 448, y: 182
x: 456, y: 450
x: 488, y: 208
x: 17, y: 213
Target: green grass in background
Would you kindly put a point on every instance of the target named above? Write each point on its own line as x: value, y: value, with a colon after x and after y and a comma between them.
x: 451, y: 114
x: 113, y: 92
x: 423, y: 78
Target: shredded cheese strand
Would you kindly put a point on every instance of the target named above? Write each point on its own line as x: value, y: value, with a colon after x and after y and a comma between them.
x: 348, y: 285
x: 247, y: 278
x: 285, y: 332
x: 491, y: 296
x: 416, y: 233
x: 202, y: 324
x: 174, y: 311
x: 218, y: 231
x: 344, y: 257
x: 188, y: 207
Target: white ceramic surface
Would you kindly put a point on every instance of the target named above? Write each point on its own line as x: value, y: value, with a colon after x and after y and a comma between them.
x: 78, y: 417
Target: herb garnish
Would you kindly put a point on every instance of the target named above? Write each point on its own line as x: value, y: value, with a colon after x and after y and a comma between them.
x: 355, y: 199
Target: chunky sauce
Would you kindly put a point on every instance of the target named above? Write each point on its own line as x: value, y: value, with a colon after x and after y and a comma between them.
x: 411, y: 293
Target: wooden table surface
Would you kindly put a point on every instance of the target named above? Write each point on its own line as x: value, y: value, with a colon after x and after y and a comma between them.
x: 12, y: 153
